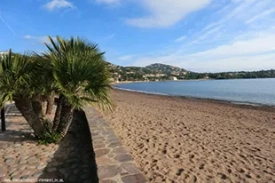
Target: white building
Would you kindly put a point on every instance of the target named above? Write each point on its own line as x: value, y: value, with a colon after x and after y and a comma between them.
x: 173, y: 78
x: 2, y: 53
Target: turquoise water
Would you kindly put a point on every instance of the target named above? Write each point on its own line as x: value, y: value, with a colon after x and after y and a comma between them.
x: 255, y: 91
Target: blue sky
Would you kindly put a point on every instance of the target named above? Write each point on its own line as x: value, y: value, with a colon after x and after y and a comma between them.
x: 198, y: 35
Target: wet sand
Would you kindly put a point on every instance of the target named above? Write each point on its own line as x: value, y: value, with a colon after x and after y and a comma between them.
x: 191, y: 140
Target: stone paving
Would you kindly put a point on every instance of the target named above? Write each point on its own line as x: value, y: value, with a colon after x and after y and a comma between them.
x: 74, y: 160
x: 114, y: 163
x: 23, y: 160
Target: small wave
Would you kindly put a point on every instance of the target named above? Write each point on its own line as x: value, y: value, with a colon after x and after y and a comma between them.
x: 195, y: 97
x: 139, y: 91
x: 246, y: 103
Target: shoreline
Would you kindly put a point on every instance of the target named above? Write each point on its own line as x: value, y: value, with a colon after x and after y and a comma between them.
x: 240, y: 104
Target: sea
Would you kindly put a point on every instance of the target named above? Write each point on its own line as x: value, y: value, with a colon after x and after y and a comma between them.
x: 240, y: 91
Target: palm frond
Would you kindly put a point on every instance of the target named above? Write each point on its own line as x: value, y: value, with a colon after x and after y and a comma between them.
x: 80, y: 72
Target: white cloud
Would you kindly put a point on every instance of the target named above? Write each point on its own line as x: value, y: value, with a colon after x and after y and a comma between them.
x: 260, y: 16
x: 240, y: 36
x: 180, y: 39
x: 248, y: 52
x: 126, y: 57
x: 108, y: 1
x: 56, y: 4
x: 240, y: 48
x: 39, y: 39
x: 165, y: 13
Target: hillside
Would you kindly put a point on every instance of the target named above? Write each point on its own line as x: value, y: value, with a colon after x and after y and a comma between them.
x: 159, y: 72
x: 153, y: 72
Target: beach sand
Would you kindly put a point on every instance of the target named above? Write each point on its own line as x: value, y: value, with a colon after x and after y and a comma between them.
x: 180, y: 140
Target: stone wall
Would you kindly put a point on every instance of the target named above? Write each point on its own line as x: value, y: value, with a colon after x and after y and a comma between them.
x: 114, y: 162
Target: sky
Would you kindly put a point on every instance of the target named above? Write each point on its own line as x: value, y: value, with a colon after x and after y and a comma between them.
x: 198, y: 35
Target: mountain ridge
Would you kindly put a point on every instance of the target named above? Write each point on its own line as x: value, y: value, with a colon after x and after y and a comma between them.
x: 158, y: 71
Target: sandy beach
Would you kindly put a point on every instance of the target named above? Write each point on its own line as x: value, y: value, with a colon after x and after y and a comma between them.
x: 190, y: 140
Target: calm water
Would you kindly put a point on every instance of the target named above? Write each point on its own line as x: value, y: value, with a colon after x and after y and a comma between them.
x: 256, y: 91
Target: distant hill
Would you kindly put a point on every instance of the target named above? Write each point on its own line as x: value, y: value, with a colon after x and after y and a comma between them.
x: 158, y: 72
x: 151, y: 72
x: 157, y: 67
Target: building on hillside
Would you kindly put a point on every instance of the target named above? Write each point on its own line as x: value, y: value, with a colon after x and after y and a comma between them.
x: 173, y: 78
x: 2, y: 53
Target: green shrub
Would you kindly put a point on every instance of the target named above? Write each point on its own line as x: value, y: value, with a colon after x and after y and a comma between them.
x: 49, y: 137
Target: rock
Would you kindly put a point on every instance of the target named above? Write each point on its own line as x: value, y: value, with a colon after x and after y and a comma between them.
x: 22, y: 161
x: 15, y: 178
x: 105, y: 161
x: 14, y: 174
x: 55, y: 163
x: 108, y: 171
x: 32, y: 160
x: 85, y: 176
x: 108, y: 181
x: 120, y: 150
x: 130, y: 168
x: 138, y: 178
x: 17, y: 145
x: 76, y: 171
x: 33, y: 166
x: 117, y: 144
x: 62, y: 171
x: 22, y: 167
x: 101, y: 152
x: 11, y: 170
x: 87, y: 181
x: 25, y: 177
x: 2, y: 172
x: 124, y: 158
x: 74, y: 166
x: 41, y: 166
x: 22, y: 157
x: 86, y: 170
x: 98, y: 146
x: 67, y: 174
x: 9, y: 161
x: 53, y: 169
x: 72, y: 178
x: 37, y: 174
x: 7, y: 156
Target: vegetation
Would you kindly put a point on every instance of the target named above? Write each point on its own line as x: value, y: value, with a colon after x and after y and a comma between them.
x: 149, y: 73
x: 155, y: 72
x: 73, y: 70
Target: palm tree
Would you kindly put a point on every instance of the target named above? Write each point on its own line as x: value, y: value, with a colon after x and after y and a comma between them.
x: 45, y: 67
x: 81, y: 75
x: 74, y: 69
x: 18, y: 83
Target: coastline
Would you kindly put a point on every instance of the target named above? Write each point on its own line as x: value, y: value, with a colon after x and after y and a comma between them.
x: 250, y: 105
x: 179, y: 80
x: 175, y: 139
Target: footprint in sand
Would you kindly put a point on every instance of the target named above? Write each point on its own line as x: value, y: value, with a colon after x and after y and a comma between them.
x: 179, y: 172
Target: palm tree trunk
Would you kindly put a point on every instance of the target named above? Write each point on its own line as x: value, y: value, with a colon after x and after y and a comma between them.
x: 26, y: 109
x: 44, y: 107
x: 66, y: 119
x: 37, y: 105
x: 50, y: 103
x: 57, y: 115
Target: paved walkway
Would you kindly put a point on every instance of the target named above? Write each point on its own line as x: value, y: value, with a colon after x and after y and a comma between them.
x: 22, y: 159
x: 73, y: 160
x: 115, y: 164
x: 20, y: 156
